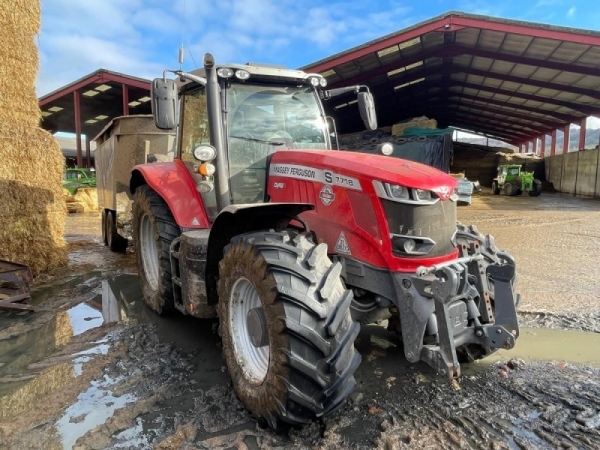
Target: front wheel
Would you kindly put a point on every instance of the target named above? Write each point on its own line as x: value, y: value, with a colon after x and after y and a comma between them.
x: 154, y: 228
x: 536, y: 188
x: 495, y: 188
x: 288, y: 337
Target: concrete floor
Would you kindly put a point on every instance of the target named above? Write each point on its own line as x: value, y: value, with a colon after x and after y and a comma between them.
x: 555, y: 239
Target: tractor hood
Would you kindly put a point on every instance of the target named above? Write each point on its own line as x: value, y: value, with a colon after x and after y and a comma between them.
x: 375, y: 167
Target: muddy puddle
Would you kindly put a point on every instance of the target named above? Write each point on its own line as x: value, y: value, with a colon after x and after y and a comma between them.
x: 112, y: 374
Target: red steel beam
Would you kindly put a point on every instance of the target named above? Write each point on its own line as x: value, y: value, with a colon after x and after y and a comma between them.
x: 529, y: 29
x: 543, y: 146
x: 465, y: 121
x: 452, y: 23
x: 96, y: 78
x: 477, y: 119
x: 77, y: 114
x: 517, y: 59
x: 492, y: 101
x: 125, y: 99
x: 513, y: 114
x: 582, y: 130
x: 550, y: 101
x: 88, y: 152
x: 566, y: 138
x: 553, y: 143
x: 592, y: 93
x: 502, y: 121
x: 351, y: 55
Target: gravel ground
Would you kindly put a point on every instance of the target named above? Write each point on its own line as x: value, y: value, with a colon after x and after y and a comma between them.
x: 93, y: 368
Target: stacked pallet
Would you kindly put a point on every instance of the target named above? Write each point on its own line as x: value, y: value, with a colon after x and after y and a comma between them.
x: 32, y: 208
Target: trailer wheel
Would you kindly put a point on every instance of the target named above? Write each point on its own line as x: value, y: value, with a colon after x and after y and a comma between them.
x: 114, y: 240
x: 154, y: 228
x: 471, y: 241
x: 104, y: 237
x: 288, y: 337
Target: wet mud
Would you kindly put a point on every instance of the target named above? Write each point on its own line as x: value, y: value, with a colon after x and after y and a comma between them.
x: 93, y: 368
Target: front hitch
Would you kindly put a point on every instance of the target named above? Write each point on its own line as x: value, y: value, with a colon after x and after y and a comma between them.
x: 442, y: 306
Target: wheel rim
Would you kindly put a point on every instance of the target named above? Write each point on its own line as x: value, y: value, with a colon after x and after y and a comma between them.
x: 149, y: 252
x: 254, y: 361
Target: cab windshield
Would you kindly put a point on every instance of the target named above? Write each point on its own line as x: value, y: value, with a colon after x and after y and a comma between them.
x: 263, y: 119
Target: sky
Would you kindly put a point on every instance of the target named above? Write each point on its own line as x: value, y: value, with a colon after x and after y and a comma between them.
x: 142, y: 37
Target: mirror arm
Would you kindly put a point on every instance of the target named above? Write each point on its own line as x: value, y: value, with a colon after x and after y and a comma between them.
x: 186, y: 75
x: 343, y: 90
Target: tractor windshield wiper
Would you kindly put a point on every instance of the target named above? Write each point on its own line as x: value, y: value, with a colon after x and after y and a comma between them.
x: 258, y: 140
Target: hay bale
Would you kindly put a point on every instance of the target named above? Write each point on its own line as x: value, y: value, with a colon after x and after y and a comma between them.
x: 418, y: 122
x: 32, y: 210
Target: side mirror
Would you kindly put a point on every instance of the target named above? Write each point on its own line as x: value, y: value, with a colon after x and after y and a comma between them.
x: 164, y: 101
x: 366, y: 106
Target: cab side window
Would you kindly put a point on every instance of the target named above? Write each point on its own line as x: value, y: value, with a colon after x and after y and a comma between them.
x: 194, y: 123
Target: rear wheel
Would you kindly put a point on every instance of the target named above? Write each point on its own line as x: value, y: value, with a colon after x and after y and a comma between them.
x: 288, y: 337
x: 511, y: 189
x: 114, y: 240
x: 154, y: 229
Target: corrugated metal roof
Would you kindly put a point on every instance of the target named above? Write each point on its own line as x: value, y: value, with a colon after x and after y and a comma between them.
x: 103, y: 95
x: 507, y: 79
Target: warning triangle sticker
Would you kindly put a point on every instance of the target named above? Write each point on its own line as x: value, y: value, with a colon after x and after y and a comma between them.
x: 342, y: 245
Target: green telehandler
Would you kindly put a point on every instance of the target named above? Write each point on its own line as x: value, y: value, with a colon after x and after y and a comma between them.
x: 512, y: 181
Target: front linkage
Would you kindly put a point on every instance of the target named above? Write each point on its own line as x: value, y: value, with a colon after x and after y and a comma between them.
x: 461, y: 310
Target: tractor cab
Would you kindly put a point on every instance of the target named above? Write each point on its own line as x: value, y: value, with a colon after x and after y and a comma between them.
x: 240, y: 115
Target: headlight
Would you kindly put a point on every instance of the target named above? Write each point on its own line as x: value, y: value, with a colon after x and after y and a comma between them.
x: 225, y: 72
x: 385, y: 149
x: 403, y: 194
x: 242, y: 74
x: 423, y: 194
x: 205, y: 153
x: 314, y: 81
x: 323, y: 82
x: 397, y: 191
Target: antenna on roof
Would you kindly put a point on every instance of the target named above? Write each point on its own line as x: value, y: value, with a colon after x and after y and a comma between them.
x: 181, y: 49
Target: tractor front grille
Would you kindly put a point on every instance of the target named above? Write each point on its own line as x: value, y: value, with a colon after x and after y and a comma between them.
x: 435, y: 221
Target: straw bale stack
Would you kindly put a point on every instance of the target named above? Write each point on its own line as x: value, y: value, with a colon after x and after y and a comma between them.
x: 419, y: 122
x: 32, y: 209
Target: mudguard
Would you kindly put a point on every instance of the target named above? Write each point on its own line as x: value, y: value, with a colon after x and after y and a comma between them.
x: 174, y: 184
x: 238, y: 219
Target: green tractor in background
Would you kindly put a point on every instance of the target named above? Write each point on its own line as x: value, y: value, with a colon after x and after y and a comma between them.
x: 513, y: 181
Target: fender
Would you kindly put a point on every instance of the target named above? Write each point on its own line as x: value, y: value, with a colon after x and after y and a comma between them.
x: 238, y: 219
x: 173, y: 183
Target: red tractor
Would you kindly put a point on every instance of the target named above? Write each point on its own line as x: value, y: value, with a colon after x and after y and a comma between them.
x: 293, y: 245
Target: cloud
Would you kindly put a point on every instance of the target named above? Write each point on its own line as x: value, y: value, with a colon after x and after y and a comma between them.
x: 141, y: 37
x: 571, y: 12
